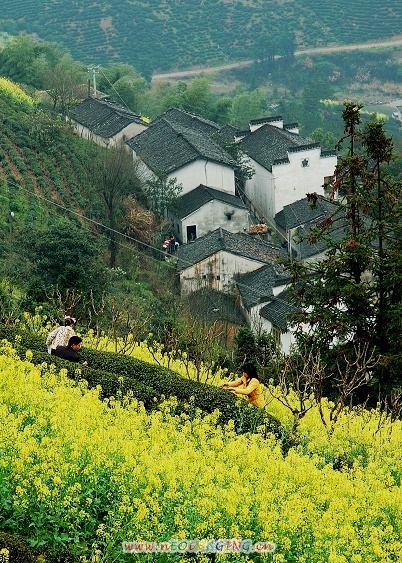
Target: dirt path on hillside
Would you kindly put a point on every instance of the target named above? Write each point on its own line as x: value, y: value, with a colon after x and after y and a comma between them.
x: 396, y: 41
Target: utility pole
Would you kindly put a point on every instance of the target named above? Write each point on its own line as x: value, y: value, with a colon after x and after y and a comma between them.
x: 11, y: 233
x: 94, y: 70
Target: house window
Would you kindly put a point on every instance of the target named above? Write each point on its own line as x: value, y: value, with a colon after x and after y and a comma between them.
x: 304, y: 162
x: 191, y: 232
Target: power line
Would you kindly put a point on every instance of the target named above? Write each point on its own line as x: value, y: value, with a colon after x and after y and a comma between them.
x: 124, y: 235
x: 114, y: 89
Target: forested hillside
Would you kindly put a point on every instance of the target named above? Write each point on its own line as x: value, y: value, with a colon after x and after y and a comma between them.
x: 161, y: 35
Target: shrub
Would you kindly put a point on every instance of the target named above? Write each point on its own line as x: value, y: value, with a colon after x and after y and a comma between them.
x: 18, y: 550
x: 119, y: 375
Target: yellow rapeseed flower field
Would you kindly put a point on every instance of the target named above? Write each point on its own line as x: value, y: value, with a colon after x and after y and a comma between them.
x: 12, y: 90
x: 92, y: 474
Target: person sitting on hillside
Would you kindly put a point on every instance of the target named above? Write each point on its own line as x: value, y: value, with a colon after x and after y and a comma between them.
x: 70, y: 352
x: 248, y: 385
x: 61, y: 335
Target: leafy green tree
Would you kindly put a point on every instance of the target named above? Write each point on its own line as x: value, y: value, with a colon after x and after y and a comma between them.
x: 352, y: 298
x: 112, y: 73
x: 115, y: 177
x: 65, y: 257
x: 326, y: 140
x: 247, y: 106
x: 163, y: 194
x: 198, y: 97
x: 221, y: 110
x: 24, y: 60
x: 17, y: 57
x: 245, y: 347
x: 124, y: 85
x: 64, y: 82
x: 130, y: 92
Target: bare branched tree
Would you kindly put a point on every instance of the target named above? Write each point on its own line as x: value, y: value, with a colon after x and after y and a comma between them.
x: 65, y: 301
x: 306, y: 375
x: 125, y: 328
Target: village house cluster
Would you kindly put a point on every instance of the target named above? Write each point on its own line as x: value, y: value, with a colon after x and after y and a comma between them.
x: 220, y: 247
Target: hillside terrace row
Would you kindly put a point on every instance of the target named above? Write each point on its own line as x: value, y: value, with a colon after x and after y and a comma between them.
x: 214, y: 215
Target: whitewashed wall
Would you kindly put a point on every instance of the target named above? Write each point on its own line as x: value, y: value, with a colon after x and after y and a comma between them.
x: 210, y: 217
x: 288, y: 182
x: 127, y: 133
x: 293, y: 181
x: 222, y: 265
x: 211, y: 174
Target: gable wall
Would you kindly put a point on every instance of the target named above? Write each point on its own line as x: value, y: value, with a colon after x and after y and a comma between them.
x: 205, y: 172
x: 288, y: 182
x: 211, y: 216
x: 260, y: 189
x: 222, y: 264
x: 275, y: 123
x: 294, y: 181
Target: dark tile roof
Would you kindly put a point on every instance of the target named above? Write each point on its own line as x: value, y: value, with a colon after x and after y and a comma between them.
x: 190, y: 121
x: 229, y: 132
x: 279, y: 310
x: 190, y: 202
x: 256, y: 287
x: 104, y: 118
x: 269, y: 144
x: 210, y: 305
x: 301, y: 212
x: 301, y: 216
x: 167, y: 147
x: 240, y: 244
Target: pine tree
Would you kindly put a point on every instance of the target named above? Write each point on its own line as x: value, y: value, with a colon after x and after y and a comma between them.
x: 351, y: 299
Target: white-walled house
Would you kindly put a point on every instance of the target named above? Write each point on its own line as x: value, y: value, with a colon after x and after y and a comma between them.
x: 201, y: 210
x: 105, y: 123
x: 287, y: 166
x: 264, y: 301
x: 215, y: 260
x: 295, y: 221
x: 187, y: 155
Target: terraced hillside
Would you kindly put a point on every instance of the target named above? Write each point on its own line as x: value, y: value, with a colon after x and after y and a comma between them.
x: 161, y: 35
x: 40, y: 162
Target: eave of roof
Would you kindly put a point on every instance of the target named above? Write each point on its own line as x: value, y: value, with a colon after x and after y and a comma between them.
x: 166, y: 147
x: 104, y: 118
x: 200, y: 196
x: 269, y: 144
x: 220, y: 240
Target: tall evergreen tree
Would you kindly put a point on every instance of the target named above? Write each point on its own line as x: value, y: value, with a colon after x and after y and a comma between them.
x: 352, y: 298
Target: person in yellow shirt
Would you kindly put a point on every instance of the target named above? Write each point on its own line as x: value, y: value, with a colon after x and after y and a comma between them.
x: 248, y: 385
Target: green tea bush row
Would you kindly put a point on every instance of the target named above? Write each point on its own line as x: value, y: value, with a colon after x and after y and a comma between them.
x: 119, y: 375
